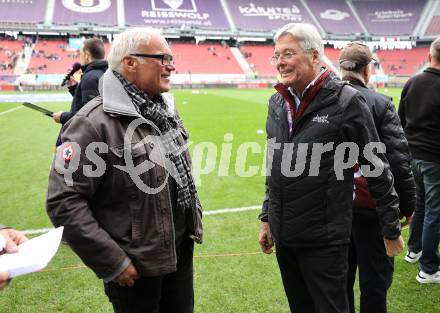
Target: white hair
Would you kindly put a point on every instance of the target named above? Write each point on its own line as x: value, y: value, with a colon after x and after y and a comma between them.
x: 307, y: 35
x: 128, y: 42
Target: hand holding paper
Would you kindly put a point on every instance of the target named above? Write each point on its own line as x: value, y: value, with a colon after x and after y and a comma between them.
x: 10, y: 239
x: 32, y: 255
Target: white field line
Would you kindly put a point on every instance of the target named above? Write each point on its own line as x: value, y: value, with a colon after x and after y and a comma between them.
x: 36, y: 231
x: 232, y: 210
x: 11, y: 110
x: 212, y: 212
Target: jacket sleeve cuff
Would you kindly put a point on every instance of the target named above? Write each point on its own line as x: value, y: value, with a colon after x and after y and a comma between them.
x: 72, y: 89
x: 118, y: 270
x: 65, y: 116
x: 392, y: 231
x: 264, y: 217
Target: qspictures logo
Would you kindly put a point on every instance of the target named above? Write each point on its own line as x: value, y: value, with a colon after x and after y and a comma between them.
x: 160, y: 149
x: 87, y: 6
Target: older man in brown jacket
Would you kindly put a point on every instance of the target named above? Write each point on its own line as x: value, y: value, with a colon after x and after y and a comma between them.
x: 121, y: 183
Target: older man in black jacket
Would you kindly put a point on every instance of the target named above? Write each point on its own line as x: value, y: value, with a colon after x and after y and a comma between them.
x: 367, y: 250
x: 317, y: 126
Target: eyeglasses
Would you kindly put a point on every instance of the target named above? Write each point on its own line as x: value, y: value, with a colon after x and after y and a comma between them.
x: 167, y: 59
x: 273, y: 60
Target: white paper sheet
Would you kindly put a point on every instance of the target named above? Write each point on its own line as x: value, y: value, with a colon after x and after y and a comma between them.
x: 33, y: 255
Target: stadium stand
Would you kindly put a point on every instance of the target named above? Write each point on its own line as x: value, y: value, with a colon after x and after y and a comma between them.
x: 403, y: 62
x: 52, y: 57
x: 332, y: 54
x: 258, y: 58
x: 10, y: 50
x: 215, y: 24
x: 204, y: 58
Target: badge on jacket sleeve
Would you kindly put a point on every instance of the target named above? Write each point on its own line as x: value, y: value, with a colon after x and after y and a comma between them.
x: 67, y: 152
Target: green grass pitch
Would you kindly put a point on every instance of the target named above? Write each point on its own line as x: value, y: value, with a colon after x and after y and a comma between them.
x: 230, y: 275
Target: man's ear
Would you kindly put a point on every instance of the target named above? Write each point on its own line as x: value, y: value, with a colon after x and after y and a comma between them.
x: 315, y: 57
x: 129, y: 64
x: 88, y: 56
x: 366, y: 73
x: 366, y: 70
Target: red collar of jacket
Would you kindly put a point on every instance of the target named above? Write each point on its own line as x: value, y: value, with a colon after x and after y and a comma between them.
x: 308, y: 96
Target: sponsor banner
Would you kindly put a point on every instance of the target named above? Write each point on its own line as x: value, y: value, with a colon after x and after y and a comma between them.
x: 8, y: 78
x: 101, y: 12
x: 390, y: 17
x: 177, y: 13
x: 7, y: 87
x: 253, y: 85
x: 54, y: 79
x: 24, y: 11
x: 267, y: 15
x: 335, y: 16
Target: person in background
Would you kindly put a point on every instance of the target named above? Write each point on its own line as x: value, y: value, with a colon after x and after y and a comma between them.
x: 419, y: 112
x: 367, y: 250
x: 93, y: 67
x: 10, y: 239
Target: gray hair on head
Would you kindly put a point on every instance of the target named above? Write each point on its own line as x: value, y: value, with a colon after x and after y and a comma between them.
x: 435, y: 50
x: 307, y: 35
x: 128, y: 42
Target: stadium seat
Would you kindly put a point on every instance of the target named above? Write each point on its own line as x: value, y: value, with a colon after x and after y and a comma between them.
x: 403, y: 62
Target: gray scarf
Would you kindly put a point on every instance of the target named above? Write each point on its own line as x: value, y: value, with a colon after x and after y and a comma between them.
x: 155, y: 110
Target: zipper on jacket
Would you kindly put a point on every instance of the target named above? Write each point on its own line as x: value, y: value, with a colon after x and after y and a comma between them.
x: 281, y: 209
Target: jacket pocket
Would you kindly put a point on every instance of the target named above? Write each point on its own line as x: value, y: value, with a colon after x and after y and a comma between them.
x: 134, y: 149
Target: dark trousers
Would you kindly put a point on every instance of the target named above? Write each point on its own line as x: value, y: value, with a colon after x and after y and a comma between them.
x: 424, y: 232
x: 314, y: 278
x: 367, y: 252
x: 171, y: 293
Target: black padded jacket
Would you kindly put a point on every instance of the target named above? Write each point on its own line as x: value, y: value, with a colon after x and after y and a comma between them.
x: 314, y: 208
x: 419, y: 112
x: 391, y: 133
x: 87, y: 89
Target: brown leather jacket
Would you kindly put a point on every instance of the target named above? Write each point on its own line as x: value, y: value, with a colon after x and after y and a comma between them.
x: 108, y: 220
